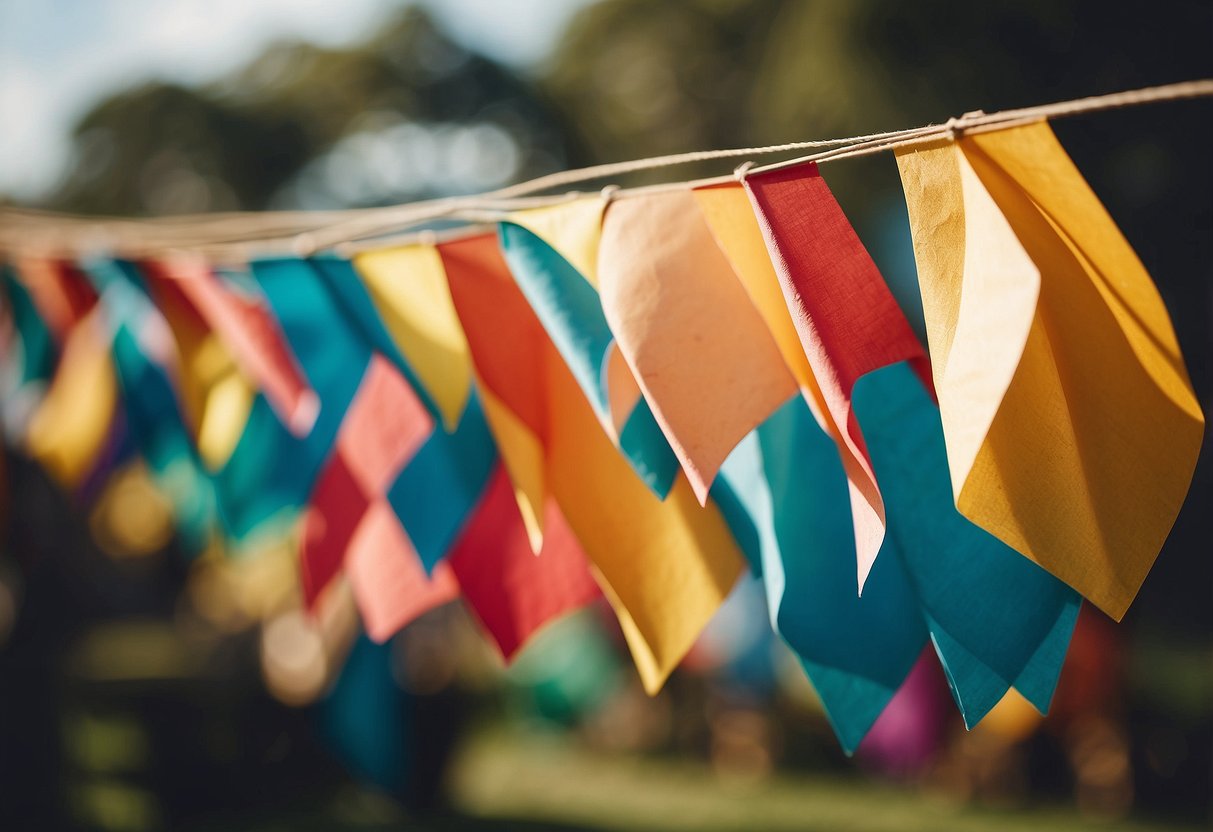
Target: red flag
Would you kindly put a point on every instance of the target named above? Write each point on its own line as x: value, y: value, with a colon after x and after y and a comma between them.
x: 384, y: 426
x: 512, y: 590
x: 848, y: 321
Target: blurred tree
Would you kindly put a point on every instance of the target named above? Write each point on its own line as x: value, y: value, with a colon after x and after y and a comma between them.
x: 246, y: 142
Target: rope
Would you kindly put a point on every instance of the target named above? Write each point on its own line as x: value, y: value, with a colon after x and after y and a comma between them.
x: 240, y: 235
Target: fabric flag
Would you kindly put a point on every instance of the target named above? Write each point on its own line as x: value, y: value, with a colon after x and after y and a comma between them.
x: 933, y: 563
x: 705, y: 361
x: 459, y: 518
x: 435, y: 494
x: 59, y: 292
x: 848, y: 322
x: 511, y: 590
x: 145, y: 359
x: 72, y: 425
x: 270, y: 473
x: 230, y: 303
x: 665, y: 566
x: 1072, y: 429
x: 568, y: 305
x: 382, y: 430
x: 28, y: 361
x: 410, y: 294
x: 215, y: 396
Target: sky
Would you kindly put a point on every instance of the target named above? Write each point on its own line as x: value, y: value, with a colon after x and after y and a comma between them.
x: 59, y: 57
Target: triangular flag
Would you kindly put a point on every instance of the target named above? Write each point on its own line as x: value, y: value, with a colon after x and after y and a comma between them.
x: 707, y: 364
x: 1072, y: 429
x: 511, y: 590
x: 664, y: 565
x: 408, y: 287
x: 571, y: 312
x: 848, y: 322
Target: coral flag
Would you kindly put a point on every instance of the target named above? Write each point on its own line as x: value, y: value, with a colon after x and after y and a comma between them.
x: 246, y: 325
x: 848, y: 322
x: 1072, y: 429
x: 703, y: 356
x: 665, y: 565
x: 383, y: 428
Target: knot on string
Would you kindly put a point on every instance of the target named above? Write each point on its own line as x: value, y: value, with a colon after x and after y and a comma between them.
x: 304, y: 245
x: 956, y: 126
x: 608, y: 194
x: 739, y: 172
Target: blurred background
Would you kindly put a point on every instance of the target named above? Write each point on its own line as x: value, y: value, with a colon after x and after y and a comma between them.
x: 140, y: 690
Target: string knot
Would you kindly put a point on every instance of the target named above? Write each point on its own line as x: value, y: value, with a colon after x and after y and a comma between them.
x: 608, y: 194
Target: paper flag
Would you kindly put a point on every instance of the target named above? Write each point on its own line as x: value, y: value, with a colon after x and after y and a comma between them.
x: 699, y: 349
x: 569, y: 308
x: 70, y: 428
x: 382, y: 430
x: 848, y: 322
x: 666, y: 565
x: 409, y: 290
x: 996, y: 619
x: 511, y: 590
x: 234, y: 310
x: 1072, y: 430
x: 519, y: 423
x: 573, y: 229
x: 789, y: 479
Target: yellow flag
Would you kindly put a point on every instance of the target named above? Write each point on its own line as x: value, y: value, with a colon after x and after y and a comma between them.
x: 665, y: 565
x: 69, y: 428
x: 573, y: 229
x: 1071, y: 426
x: 408, y: 287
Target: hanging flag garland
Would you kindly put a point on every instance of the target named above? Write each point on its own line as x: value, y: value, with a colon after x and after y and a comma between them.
x: 642, y: 394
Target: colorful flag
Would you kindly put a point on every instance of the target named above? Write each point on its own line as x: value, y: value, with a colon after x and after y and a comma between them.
x: 1072, y: 429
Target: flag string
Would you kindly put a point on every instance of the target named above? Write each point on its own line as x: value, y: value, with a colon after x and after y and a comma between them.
x: 237, y: 236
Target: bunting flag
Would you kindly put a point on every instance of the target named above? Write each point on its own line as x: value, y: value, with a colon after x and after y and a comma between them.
x: 568, y: 305
x: 638, y: 395
x: 1071, y: 426
x: 145, y: 360
x: 28, y: 360
x: 706, y: 363
x: 68, y: 432
x: 665, y: 566
x: 270, y: 473
x: 848, y: 322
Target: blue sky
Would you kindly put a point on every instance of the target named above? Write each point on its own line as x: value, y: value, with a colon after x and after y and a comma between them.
x: 58, y: 57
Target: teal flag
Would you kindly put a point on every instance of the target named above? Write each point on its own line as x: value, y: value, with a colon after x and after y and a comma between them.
x: 437, y: 490
x: 270, y: 474
x: 153, y: 415
x: 571, y: 312
x: 996, y: 620
x: 856, y: 650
